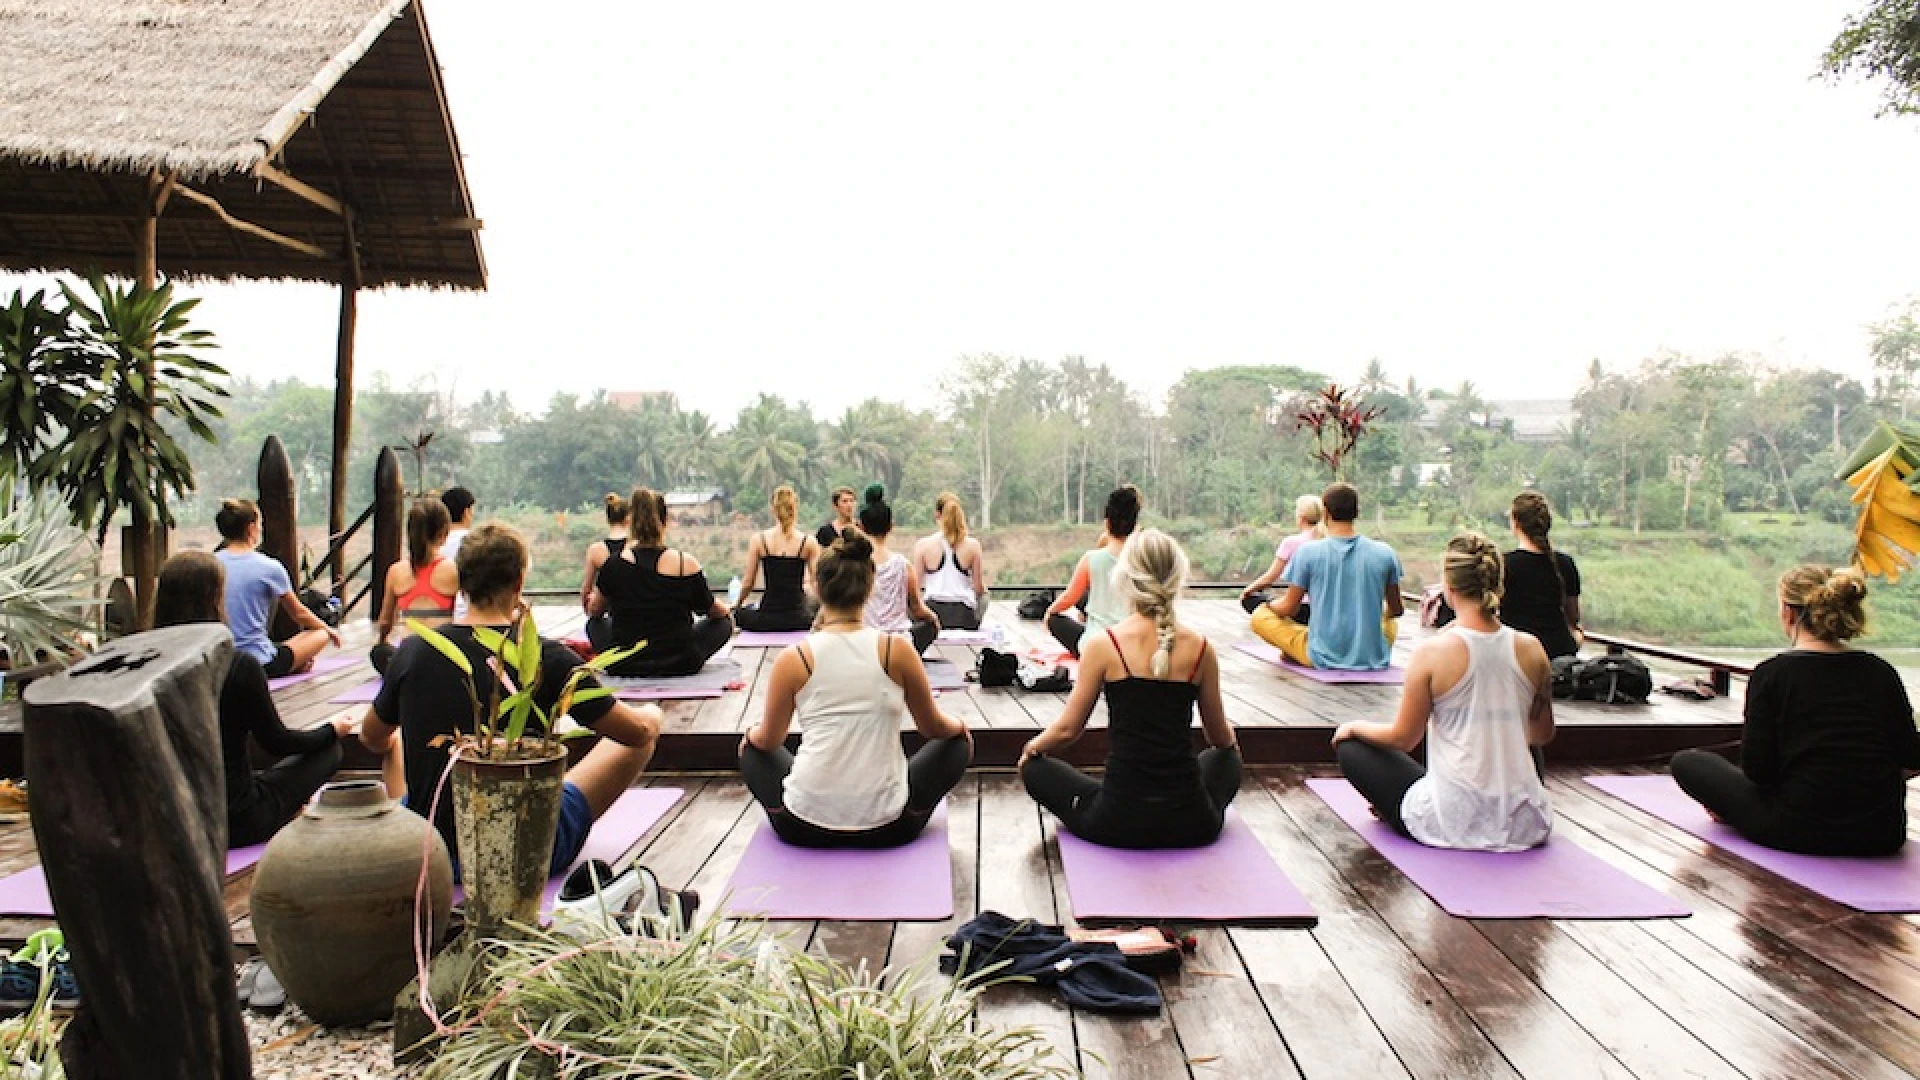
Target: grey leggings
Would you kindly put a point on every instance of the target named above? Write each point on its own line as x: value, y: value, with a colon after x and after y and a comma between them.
x: 932, y: 772
x: 1383, y: 775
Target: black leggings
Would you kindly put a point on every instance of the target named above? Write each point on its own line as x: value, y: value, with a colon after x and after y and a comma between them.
x: 1720, y: 786
x: 600, y: 632
x: 1303, y: 615
x: 709, y: 636
x: 955, y: 615
x: 1383, y: 775
x: 777, y: 620
x: 1067, y: 630
x: 279, y: 791
x: 932, y: 771
x: 1098, y: 817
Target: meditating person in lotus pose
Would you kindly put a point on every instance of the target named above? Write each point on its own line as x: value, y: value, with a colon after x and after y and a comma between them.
x: 256, y: 585
x: 952, y: 565
x: 847, y: 688
x: 191, y: 589
x: 1093, y: 576
x: 600, y: 627
x: 1829, y: 731
x: 1481, y: 695
x: 1307, y: 515
x: 842, y: 518
x: 658, y: 595
x: 425, y: 699
x: 788, y: 555
x: 895, y: 606
x: 1543, y: 585
x: 1157, y: 793
x: 1355, y: 583
x: 421, y: 588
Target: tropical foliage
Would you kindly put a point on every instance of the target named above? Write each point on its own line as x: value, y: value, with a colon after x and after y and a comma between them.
x: 48, y: 582
x: 1881, y: 43
x: 1886, y: 488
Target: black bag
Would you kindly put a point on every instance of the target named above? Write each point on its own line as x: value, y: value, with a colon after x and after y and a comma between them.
x: 1563, y: 669
x: 1612, y: 679
x: 997, y: 668
x: 322, y: 606
x: 1035, y: 604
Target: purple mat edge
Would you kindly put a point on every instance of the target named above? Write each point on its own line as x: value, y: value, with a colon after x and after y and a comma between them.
x: 325, y: 665
x: 23, y: 894
x: 1293, y: 910
x: 607, y: 850
x: 1350, y: 807
x: 1391, y: 675
x: 1787, y: 865
x: 934, y: 838
x: 768, y: 639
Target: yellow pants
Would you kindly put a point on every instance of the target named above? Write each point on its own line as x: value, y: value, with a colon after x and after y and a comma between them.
x: 1291, y: 637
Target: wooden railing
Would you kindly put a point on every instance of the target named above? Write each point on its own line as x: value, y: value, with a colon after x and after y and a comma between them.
x: 280, y: 532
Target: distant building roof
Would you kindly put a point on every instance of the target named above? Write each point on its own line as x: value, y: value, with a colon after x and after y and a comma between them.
x: 633, y: 399
x: 1537, y: 420
x: 695, y: 498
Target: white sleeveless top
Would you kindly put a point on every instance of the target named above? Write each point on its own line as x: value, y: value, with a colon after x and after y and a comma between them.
x: 950, y: 584
x: 1481, y: 792
x: 850, y: 773
x: 887, y: 604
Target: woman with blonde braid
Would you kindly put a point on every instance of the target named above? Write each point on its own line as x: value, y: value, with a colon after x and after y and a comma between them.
x: 1542, y: 595
x: 788, y: 555
x: 952, y: 568
x: 1829, y: 732
x: 1480, y: 695
x: 1157, y: 793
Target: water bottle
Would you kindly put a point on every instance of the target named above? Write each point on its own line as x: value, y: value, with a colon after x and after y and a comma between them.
x: 333, y: 611
x: 733, y: 592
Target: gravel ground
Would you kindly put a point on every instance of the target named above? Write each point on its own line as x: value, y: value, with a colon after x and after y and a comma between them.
x: 288, y: 1046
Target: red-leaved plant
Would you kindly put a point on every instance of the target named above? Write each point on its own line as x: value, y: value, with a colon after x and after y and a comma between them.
x: 1338, y: 419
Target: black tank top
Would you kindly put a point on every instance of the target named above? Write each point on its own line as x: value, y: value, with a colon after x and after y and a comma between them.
x: 786, y: 579
x: 646, y: 605
x: 1150, y: 754
x: 615, y: 545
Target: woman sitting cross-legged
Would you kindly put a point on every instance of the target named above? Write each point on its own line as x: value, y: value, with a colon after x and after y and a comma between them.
x: 191, y: 588
x: 658, y: 595
x: 599, y: 629
x: 847, y: 687
x: 895, y: 606
x: 1307, y: 513
x: 1829, y: 732
x: 1093, y: 575
x: 1480, y: 694
x: 423, y: 587
x: 787, y: 554
x: 1157, y: 793
x: 953, y: 567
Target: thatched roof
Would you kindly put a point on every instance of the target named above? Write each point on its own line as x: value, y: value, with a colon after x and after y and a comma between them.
x: 228, y: 95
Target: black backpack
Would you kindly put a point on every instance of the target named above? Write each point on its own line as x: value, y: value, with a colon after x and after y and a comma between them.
x: 997, y: 668
x: 1035, y: 604
x: 1616, y: 678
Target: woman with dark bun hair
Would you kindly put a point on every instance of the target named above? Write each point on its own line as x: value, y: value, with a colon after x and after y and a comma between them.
x: 848, y: 687
x: 895, y: 606
x: 1542, y: 585
x: 658, y: 595
x: 1093, y: 575
x: 1481, y: 696
x: 1829, y: 732
x: 600, y: 627
x: 787, y: 554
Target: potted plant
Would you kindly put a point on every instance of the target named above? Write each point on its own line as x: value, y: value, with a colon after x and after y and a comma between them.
x: 509, y: 771
x: 48, y: 584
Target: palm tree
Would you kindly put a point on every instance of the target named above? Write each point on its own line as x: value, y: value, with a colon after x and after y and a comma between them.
x: 693, y: 448
x: 765, y: 455
x: 859, y: 441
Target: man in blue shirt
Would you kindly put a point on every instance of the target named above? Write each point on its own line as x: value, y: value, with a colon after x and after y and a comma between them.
x: 256, y: 584
x: 1355, y: 584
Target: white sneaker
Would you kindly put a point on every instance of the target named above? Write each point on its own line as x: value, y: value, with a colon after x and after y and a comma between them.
x: 593, y: 898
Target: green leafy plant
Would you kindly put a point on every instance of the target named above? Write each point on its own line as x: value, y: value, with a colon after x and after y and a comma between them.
x: 1886, y: 487
x: 500, y: 723
x: 721, y: 1000
x: 134, y: 358
x: 48, y: 578
x: 38, y: 388
x: 30, y: 1042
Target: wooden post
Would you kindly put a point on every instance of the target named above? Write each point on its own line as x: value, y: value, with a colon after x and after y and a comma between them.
x: 136, y: 879
x: 146, y: 263
x: 343, y: 404
x: 279, y: 520
x: 389, y: 521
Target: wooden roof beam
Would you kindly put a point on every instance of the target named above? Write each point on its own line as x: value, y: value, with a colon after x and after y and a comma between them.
x: 249, y: 227
x: 296, y: 186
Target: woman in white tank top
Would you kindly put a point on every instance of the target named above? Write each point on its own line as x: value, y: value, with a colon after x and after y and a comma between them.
x: 1480, y: 694
x: 895, y: 606
x: 848, y: 688
x: 951, y: 565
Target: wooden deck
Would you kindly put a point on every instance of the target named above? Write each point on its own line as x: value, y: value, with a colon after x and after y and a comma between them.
x: 1763, y: 980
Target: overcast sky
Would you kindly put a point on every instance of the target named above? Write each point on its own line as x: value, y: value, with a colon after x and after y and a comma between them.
x: 829, y: 201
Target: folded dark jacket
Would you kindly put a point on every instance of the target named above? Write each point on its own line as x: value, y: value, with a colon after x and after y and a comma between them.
x: 1090, y: 975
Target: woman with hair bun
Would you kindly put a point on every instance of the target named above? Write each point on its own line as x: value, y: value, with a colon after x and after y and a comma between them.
x: 788, y: 553
x: 1157, y: 793
x: 1829, y: 731
x: 1093, y: 576
x: 599, y: 627
x: 1307, y: 519
x: 659, y: 595
x: 951, y: 563
x: 1542, y: 585
x: 848, y: 687
x: 895, y: 606
x: 1481, y: 697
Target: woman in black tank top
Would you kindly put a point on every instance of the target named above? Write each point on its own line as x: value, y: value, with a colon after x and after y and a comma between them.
x: 599, y: 627
x: 1157, y: 792
x: 787, y: 556
x: 671, y: 608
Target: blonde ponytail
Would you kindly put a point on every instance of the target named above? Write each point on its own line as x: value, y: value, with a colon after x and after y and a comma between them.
x: 1151, y: 571
x: 786, y: 507
x: 1474, y: 571
x: 953, y: 520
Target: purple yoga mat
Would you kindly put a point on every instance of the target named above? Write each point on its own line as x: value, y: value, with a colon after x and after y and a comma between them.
x: 1260, y: 650
x: 945, y: 675
x: 768, y: 639
x: 668, y: 693
x: 25, y: 894
x: 986, y: 635
x: 362, y: 694
x: 1232, y: 880
x: 621, y: 827
x: 1888, y: 884
x: 910, y: 883
x: 322, y: 665
x: 1557, y: 880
